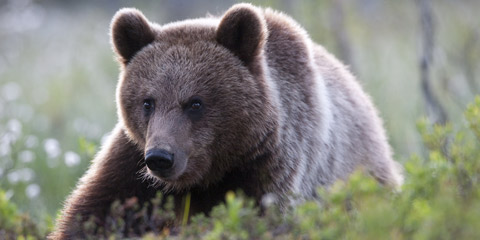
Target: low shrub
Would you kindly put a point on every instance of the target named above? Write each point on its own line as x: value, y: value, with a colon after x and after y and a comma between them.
x: 439, y: 200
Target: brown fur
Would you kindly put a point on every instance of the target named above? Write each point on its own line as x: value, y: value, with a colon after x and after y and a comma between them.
x: 279, y: 115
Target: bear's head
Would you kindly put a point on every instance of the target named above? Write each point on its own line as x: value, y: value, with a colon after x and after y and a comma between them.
x: 193, y: 95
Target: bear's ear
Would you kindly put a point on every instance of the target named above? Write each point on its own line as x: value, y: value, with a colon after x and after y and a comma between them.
x: 130, y: 32
x: 243, y: 31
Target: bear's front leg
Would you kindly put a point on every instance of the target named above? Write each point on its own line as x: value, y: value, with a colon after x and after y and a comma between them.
x: 113, y: 175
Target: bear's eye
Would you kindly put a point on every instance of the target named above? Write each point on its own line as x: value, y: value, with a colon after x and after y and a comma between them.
x: 147, y: 104
x: 194, y: 108
x: 195, y: 104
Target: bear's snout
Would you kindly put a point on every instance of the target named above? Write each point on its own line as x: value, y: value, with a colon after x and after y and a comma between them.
x: 159, y: 160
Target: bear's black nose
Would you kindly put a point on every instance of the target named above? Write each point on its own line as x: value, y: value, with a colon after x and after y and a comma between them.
x: 159, y: 160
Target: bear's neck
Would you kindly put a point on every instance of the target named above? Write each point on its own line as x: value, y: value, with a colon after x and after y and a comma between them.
x: 251, y: 181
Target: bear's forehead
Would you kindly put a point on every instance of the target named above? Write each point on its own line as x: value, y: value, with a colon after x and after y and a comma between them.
x: 187, y: 31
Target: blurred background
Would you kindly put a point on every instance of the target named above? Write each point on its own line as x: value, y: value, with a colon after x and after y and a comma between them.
x: 416, y: 58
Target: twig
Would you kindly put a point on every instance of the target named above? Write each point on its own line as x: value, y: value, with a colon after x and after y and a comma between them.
x: 435, y: 112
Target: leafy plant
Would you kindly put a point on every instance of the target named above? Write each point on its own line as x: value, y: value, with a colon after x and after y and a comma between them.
x: 14, y: 225
x: 439, y: 200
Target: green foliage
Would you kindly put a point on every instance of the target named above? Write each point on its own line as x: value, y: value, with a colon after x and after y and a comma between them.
x: 14, y: 225
x: 439, y: 200
x: 8, y: 212
x: 473, y: 116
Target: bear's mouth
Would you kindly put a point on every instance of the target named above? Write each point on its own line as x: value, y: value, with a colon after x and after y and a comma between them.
x: 166, y: 175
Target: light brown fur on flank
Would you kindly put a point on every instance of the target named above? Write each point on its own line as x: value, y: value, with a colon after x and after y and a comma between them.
x: 279, y: 115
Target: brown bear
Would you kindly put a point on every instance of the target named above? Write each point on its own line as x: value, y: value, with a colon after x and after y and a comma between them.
x: 245, y: 101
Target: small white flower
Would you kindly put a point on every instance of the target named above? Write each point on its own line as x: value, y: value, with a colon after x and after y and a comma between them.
x: 269, y: 199
x: 32, y: 190
x: 72, y: 159
x: 11, y: 91
x: 5, y: 148
x: 23, y: 174
x: 26, y: 156
x: 13, y: 177
x: 52, y: 148
x: 14, y: 126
